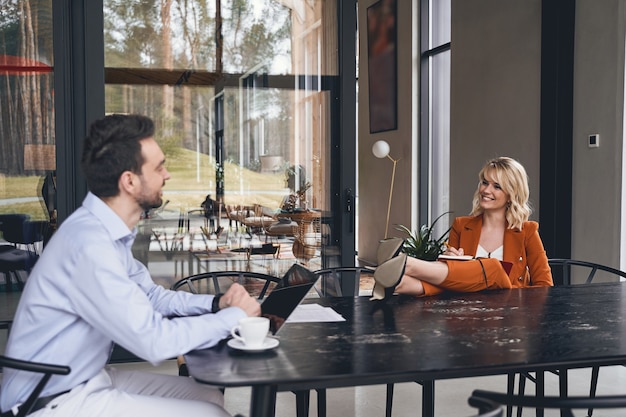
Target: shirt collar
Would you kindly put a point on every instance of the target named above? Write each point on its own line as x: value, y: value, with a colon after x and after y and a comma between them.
x: 111, y: 221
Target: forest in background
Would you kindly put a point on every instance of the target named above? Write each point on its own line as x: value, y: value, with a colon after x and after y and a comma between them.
x: 163, y: 34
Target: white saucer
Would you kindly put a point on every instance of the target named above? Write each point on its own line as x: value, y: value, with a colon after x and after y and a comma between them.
x: 270, y: 343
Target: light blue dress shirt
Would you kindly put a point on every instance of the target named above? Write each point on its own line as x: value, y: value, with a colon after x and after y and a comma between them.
x: 86, y: 292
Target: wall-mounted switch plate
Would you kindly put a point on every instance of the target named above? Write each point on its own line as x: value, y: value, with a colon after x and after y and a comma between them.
x: 594, y: 140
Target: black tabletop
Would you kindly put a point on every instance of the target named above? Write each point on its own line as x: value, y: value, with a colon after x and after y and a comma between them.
x: 408, y: 339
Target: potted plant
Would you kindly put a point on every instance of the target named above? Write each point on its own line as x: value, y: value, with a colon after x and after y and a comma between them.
x: 421, y: 244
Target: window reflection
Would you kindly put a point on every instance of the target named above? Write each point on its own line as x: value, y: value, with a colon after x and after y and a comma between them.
x: 240, y: 92
x: 27, y: 142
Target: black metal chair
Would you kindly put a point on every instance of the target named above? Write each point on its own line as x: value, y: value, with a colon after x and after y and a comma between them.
x: 20, y: 253
x: 331, y: 283
x: 20, y: 231
x: 6, y: 325
x: 486, y: 407
x: 43, y: 368
x: 216, y: 282
x: 565, y: 404
x: 258, y: 285
x: 567, y: 272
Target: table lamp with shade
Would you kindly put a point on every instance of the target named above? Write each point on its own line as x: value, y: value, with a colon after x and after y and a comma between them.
x: 381, y: 149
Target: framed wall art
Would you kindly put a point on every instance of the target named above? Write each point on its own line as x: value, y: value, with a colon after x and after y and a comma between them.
x: 382, y: 65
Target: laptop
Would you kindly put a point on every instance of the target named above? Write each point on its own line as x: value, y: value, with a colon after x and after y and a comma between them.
x: 287, y: 295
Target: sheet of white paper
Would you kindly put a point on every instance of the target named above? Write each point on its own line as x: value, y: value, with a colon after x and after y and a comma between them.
x: 314, y: 313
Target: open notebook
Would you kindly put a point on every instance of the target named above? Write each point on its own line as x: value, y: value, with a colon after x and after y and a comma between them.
x: 287, y: 295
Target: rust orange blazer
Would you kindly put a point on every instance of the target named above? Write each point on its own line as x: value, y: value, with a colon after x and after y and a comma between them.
x: 522, y: 248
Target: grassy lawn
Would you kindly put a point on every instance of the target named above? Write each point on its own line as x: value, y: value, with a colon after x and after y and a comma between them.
x: 185, y: 190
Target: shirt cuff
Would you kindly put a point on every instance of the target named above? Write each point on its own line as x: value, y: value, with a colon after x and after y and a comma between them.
x: 215, y: 305
x: 232, y: 315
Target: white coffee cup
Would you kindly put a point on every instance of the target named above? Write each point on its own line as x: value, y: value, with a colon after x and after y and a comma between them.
x: 251, y: 331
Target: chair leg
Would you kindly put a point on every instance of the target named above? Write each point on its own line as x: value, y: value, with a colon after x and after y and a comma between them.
x: 9, y: 277
x: 389, y: 403
x: 8, y: 280
x: 595, y: 372
x: 18, y: 280
x: 521, y: 389
x: 510, y: 388
x: 540, y: 387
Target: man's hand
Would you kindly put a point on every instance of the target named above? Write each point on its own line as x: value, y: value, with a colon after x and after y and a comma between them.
x: 237, y: 296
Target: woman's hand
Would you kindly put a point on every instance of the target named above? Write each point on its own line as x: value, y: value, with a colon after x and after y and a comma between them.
x: 453, y: 251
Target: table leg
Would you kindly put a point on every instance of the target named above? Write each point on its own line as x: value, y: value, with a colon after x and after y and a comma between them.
x: 263, y: 401
x: 389, y: 403
x: 302, y: 403
x: 428, y: 398
x: 563, y: 386
x: 321, y: 402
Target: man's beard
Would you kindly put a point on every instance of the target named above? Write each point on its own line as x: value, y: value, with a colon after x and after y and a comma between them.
x: 149, y: 203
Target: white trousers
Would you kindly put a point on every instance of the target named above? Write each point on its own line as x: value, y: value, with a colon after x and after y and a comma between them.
x: 120, y: 393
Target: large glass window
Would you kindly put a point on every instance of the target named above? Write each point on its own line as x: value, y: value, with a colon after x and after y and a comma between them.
x: 27, y: 142
x: 436, y: 120
x: 26, y: 105
x: 240, y: 94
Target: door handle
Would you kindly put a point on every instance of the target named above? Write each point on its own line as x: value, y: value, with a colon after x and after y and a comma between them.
x: 350, y: 209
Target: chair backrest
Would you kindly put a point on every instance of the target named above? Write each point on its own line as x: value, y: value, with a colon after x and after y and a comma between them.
x: 6, y: 325
x: 565, y: 404
x: 257, y: 284
x: 43, y: 368
x: 18, y: 229
x: 486, y: 407
x: 12, y: 226
x: 572, y: 271
x: 332, y: 280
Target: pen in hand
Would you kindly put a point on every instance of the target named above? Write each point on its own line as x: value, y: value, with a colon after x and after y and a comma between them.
x: 452, y: 251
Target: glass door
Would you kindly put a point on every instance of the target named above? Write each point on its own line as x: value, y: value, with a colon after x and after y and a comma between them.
x: 245, y: 96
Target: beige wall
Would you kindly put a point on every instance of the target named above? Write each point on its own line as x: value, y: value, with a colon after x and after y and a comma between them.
x: 495, y: 92
x: 598, y: 108
x: 375, y: 174
x: 495, y: 110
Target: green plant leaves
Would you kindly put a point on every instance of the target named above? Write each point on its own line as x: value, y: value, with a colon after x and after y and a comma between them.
x: 421, y: 244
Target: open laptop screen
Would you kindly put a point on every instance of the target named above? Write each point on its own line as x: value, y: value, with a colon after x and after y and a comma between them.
x: 286, y: 295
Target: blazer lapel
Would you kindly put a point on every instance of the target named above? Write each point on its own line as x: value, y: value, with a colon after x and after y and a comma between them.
x: 471, y: 236
x: 513, y: 245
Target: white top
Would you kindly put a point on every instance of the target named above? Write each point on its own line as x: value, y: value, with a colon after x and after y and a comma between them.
x: 482, y: 253
x: 87, y: 291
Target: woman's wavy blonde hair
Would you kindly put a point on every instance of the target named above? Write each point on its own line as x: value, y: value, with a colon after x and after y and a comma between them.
x: 513, y: 180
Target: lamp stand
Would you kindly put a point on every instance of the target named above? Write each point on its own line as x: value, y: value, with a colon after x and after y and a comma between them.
x: 393, y: 179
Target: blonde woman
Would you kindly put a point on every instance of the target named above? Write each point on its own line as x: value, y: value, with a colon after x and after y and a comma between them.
x: 505, y: 248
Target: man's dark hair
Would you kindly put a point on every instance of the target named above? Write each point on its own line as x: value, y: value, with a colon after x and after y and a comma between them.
x: 111, y: 148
